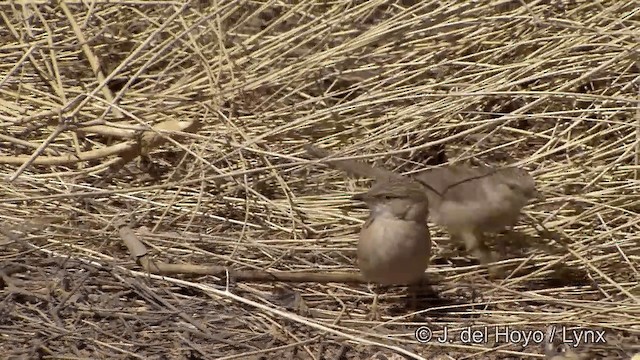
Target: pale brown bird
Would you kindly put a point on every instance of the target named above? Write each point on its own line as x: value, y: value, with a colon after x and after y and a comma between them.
x: 394, y: 245
x: 466, y: 201
x: 469, y: 201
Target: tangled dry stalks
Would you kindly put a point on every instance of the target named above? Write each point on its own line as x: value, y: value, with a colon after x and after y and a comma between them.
x: 186, y: 121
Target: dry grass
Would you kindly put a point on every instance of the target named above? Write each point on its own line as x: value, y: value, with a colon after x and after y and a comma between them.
x: 551, y: 85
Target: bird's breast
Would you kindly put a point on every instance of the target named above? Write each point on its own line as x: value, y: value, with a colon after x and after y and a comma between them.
x: 392, y: 251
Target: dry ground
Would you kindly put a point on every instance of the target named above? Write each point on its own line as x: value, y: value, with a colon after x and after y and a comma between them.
x: 242, y: 86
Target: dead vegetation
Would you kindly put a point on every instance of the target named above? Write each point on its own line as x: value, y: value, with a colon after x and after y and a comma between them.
x: 185, y: 121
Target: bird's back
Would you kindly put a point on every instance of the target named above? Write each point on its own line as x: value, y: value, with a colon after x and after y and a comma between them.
x: 472, y: 197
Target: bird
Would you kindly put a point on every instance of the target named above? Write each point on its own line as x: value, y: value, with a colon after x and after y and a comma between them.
x: 466, y: 201
x: 394, y: 245
x: 470, y: 201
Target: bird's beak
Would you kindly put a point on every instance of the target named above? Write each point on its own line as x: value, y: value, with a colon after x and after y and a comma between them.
x: 360, y: 197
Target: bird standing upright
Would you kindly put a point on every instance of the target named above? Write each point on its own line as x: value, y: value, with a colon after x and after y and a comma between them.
x: 394, y: 245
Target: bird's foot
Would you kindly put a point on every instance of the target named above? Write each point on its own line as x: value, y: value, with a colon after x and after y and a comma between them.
x: 374, y: 315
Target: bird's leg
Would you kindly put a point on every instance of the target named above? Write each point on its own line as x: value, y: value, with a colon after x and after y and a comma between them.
x: 412, y: 302
x: 421, y: 296
x: 374, y: 315
x: 412, y: 291
x: 476, y: 247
